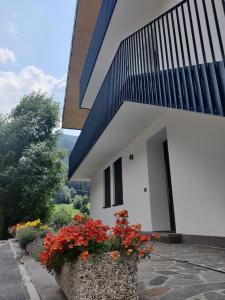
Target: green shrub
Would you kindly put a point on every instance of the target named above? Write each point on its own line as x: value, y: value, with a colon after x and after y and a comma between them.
x: 85, y: 210
x: 77, y: 204
x: 81, y: 203
x: 26, y: 236
x: 86, y: 201
x: 42, y: 233
x: 60, y: 218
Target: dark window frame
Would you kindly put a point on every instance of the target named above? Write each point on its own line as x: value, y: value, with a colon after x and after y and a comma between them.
x: 107, y: 188
x: 118, y: 182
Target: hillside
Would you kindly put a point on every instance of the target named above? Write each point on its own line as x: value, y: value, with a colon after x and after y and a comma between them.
x: 67, y: 142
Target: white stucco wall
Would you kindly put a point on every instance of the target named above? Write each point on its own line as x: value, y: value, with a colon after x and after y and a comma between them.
x: 197, y: 161
x: 135, y: 179
x: 197, y: 154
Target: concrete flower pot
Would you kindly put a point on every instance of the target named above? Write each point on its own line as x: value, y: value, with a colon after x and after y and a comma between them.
x: 100, y: 278
x: 35, y: 248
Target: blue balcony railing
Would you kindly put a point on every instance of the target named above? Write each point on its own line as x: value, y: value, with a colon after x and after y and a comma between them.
x: 176, y: 61
x: 102, y: 23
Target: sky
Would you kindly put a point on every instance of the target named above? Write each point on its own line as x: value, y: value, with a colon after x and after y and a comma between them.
x: 35, y: 39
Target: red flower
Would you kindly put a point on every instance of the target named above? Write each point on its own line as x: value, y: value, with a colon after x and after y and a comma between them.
x: 115, y: 255
x: 78, y: 218
x: 87, y: 236
x: 123, y: 213
x: 144, y: 238
x: 76, y: 237
x: 137, y: 227
x: 85, y: 255
x: 129, y: 251
x: 142, y: 253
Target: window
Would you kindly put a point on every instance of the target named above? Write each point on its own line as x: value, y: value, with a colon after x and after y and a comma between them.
x: 118, y: 183
x: 107, y: 188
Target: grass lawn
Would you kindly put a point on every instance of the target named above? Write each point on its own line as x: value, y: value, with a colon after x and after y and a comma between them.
x: 67, y: 207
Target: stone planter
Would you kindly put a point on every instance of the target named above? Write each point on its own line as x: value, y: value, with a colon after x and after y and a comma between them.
x: 100, y: 278
x: 35, y: 248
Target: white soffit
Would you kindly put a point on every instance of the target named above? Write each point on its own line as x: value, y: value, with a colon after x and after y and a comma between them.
x: 130, y: 120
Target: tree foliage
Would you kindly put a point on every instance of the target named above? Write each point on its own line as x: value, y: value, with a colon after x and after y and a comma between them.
x: 81, y: 188
x: 63, y: 196
x: 82, y: 203
x: 61, y: 218
x: 30, y: 166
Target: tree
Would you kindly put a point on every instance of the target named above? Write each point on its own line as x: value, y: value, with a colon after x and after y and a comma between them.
x: 60, y: 218
x: 77, y: 202
x: 63, y: 196
x: 81, y: 203
x: 30, y: 166
x: 81, y: 187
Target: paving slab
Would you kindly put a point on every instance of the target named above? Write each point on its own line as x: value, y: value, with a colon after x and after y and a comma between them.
x: 183, y: 272
x: 214, y: 296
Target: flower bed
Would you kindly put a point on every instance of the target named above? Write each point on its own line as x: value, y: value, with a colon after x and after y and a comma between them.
x: 93, y: 261
x: 31, y: 224
x: 28, y: 233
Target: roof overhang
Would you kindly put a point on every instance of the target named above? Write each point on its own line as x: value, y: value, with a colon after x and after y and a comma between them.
x: 85, y: 19
x: 129, y: 121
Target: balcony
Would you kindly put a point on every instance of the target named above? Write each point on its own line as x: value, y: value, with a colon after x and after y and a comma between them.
x: 176, y: 61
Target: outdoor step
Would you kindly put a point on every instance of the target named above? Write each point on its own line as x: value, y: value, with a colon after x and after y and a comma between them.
x: 170, y: 238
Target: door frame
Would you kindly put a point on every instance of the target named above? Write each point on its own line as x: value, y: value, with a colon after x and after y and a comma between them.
x: 169, y: 187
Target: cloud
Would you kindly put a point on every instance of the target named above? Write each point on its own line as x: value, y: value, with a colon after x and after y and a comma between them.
x: 10, y: 25
x: 12, y: 28
x: 6, y: 56
x: 14, y: 85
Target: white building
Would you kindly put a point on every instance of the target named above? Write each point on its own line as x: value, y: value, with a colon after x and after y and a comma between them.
x: 146, y: 84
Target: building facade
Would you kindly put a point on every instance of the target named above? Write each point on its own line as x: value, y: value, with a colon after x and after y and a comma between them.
x: 152, y: 84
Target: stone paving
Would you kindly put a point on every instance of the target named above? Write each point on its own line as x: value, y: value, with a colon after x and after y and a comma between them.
x: 179, y: 271
x: 10, y: 282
